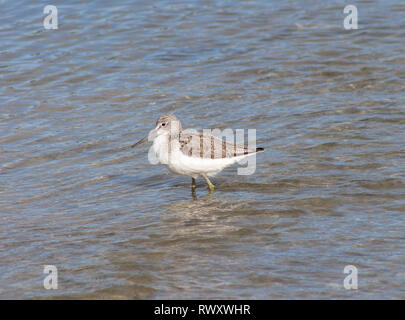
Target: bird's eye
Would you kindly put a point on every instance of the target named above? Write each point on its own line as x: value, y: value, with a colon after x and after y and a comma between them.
x: 163, y: 124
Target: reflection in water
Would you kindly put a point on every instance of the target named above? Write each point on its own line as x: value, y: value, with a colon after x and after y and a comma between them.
x: 193, y: 194
x: 326, y: 103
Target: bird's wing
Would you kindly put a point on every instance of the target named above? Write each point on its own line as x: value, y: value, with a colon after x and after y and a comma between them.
x: 197, y: 144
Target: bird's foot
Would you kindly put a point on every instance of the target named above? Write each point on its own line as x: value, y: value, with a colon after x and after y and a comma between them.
x: 211, y: 187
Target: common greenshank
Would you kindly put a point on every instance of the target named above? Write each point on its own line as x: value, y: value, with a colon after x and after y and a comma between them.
x: 192, y: 153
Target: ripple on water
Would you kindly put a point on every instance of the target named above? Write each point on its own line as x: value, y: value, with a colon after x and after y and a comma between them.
x: 327, y: 105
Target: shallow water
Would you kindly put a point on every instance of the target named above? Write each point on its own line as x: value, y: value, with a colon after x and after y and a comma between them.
x: 328, y: 107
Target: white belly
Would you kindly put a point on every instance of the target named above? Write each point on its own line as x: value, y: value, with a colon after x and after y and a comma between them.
x: 179, y: 163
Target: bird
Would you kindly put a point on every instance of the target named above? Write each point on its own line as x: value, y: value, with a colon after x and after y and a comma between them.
x: 192, y: 153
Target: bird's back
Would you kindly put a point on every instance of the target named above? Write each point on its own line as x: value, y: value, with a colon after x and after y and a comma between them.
x: 201, y: 145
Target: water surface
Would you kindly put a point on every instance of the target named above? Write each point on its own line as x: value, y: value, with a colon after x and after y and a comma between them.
x: 328, y: 107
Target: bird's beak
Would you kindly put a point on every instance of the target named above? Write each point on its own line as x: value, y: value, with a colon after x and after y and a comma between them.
x: 139, y: 142
x: 150, y: 137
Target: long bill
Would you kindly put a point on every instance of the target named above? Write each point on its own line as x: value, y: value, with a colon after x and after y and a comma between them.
x: 150, y: 137
x: 143, y: 140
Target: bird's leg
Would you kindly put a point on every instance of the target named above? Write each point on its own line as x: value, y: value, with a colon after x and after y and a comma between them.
x: 193, y: 194
x: 210, y: 185
x: 193, y: 185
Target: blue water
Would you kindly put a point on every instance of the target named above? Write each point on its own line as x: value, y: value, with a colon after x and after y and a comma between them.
x: 327, y: 105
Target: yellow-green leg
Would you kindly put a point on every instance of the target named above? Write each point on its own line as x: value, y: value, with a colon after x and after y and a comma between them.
x: 210, y: 185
